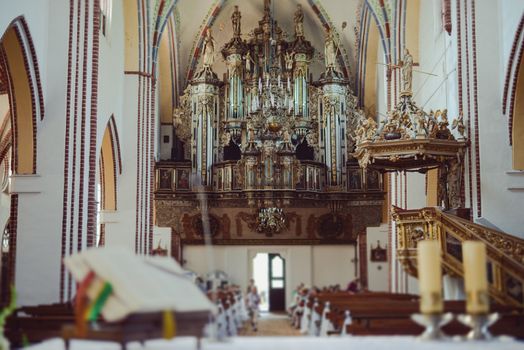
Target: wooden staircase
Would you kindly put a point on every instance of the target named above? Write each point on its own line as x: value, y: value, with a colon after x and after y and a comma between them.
x: 505, y: 252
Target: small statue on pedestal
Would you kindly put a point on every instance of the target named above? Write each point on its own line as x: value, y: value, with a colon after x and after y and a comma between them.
x: 209, y: 50
x: 330, y: 50
x: 299, y: 22
x: 235, y: 19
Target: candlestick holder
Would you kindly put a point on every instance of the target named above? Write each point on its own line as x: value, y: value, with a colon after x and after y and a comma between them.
x: 479, y: 324
x: 432, y: 323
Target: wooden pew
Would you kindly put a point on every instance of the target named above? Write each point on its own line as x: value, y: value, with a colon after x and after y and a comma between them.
x: 385, y: 317
x: 38, y: 323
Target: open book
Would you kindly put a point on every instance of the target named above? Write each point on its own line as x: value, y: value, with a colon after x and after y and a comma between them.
x: 139, y: 284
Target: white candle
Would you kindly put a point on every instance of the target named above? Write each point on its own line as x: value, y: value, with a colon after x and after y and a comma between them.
x: 475, y: 277
x: 429, y: 277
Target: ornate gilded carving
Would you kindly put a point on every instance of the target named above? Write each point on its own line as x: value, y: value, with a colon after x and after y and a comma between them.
x: 412, y: 139
x: 251, y: 130
x: 182, y: 118
x: 505, y: 252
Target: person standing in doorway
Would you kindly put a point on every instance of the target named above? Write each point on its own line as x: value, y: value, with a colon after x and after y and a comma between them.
x: 253, y: 302
x: 250, y: 285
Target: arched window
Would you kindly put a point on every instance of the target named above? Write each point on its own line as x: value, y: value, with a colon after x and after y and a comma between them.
x: 518, y: 119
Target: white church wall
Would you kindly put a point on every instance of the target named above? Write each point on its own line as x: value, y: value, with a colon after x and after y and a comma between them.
x: 500, y: 205
x: 311, y: 265
x: 301, y: 271
x: 116, y: 91
x: 333, y: 265
x: 121, y: 230
x: 511, y: 15
x: 39, y: 226
x: 166, y: 141
x: 111, y: 74
x: 416, y: 190
x: 430, y: 91
x: 377, y: 271
x: 5, y: 204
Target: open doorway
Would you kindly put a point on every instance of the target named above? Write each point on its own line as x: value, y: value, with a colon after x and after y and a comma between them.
x: 270, y: 279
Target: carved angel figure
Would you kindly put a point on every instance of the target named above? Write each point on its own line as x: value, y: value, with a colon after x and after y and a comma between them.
x: 288, y: 58
x: 420, y: 122
x: 312, y: 139
x: 286, y: 136
x: 459, y: 125
x: 225, y: 139
x: 370, y: 126
x: 443, y: 116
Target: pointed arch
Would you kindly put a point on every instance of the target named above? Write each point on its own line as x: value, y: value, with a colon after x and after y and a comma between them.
x: 368, y: 45
x: 517, y: 115
x: 110, y: 166
x: 21, y: 80
x: 512, y: 81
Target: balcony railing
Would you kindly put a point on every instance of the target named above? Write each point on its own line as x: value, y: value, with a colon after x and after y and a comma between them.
x: 505, y: 252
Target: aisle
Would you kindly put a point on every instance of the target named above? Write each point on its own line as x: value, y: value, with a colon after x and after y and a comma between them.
x: 271, y: 324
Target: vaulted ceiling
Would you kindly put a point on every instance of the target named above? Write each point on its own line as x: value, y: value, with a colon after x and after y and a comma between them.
x: 3, y: 80
x: 195, y: 15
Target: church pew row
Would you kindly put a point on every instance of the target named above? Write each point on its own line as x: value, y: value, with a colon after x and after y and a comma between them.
x: 304, y: 304
x: 386, y: 318
x: 390, y: 314
x: 303, y: 316
x: 365, y: 296
x: 38, y: 323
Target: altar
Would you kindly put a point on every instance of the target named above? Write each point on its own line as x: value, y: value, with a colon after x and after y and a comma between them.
x: 292, y: 343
